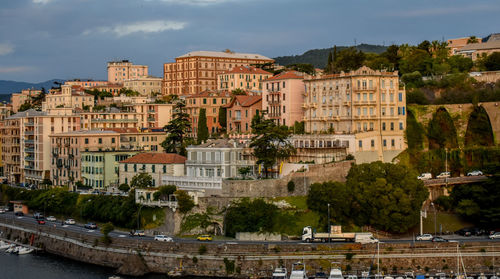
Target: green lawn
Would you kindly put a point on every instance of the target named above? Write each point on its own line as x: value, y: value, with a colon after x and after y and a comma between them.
x: 291, y: 221
x: 449, y: 222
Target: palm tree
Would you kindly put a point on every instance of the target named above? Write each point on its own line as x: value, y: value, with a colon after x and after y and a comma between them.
x: 472, y: 40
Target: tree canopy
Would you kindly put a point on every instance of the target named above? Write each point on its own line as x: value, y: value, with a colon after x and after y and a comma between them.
x: 176, y: 130
x: 249, y: 216
x: 141, y: 180
x: 202, y: 132
x: 270, y: 142
x: 441, y: 131
x: 479, y: 130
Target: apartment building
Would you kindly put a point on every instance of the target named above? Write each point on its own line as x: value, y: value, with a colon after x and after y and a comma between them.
x: 11, y: 149
x: 100, y: 169
x: 70, y: 96
x: 152, y: 115
x: 240, y: 111
x: 145, y: 139
x: 66, y: 153
x: 155, y: 164
x: 368, y: 103
x: 283, y: 97
x: 246, y: 78
x: 197, y: 71
x: 211, y: 101
x: 119, y: 71
x: 146, y: 86
x: 34, y: 150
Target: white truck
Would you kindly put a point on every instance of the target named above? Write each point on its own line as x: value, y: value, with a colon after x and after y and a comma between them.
x: 336, y: 235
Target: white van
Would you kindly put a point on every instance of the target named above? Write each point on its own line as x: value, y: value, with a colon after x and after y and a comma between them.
x: 425, y: 176
x: 364, y: 238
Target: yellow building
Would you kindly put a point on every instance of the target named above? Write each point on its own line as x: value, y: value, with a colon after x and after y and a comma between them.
x: 197, y: 71
x: 246, y: 78
x: 119, y: 71
x: 368, y: 103
x: 146, y: 86
x: 70, y: 96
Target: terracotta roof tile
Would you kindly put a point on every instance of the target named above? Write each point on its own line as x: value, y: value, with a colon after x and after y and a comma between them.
x: 155, y: 158
x: 245, y: 101
x: 287, y: 75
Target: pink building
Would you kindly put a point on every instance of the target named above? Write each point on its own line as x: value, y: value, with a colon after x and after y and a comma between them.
x: 283, y: 96
x: 240, y: 112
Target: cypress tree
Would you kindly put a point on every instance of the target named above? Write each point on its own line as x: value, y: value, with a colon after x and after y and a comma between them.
x: 202, y: 134
x: 329, y: 63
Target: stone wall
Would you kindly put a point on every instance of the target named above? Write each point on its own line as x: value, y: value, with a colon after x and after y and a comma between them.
x: 251, y: 260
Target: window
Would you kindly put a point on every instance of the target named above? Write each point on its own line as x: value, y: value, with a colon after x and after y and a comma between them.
x: 153, y: 168
x: 383, y: 111
x: 284, y: 109
x: 112, y: 140
x: 204, y: 101
x: 373, y: 143
x: 283, y: 93
x: 283, y: 87
x: 385, y: 143
x: 400, y: 125
x: 383, y: 126
x: 100, y: 140
x: 86, y: 141
x: 392, y: 126
x: 392, y: 142
x: 214, y: 101
x: 400, y: 96
x: 360, y: 143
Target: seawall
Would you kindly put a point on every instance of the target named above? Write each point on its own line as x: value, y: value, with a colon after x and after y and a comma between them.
x: 237, y: 259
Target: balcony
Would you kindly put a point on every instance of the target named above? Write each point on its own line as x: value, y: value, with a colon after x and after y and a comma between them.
x: 30, y: 123
x: 29, y: 158
x: 29, y: 133
x: 151, y: 119
x: 29, y: 150
x: 236, y: 119
x: 29, y: 142
x: 114, y: 120
x: 151, y: 111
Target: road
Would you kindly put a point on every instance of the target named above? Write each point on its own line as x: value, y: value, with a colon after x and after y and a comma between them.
x: 454, y: 180
x: 10, y: 218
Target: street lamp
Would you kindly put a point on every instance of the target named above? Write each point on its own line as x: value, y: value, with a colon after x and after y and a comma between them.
x: 435, y: 223
x: 329, y: 228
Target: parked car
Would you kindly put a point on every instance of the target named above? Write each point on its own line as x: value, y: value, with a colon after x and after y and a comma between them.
x: 475, y: 173
x: 2, y: 211
x: 19, y: 213
x: 91, y: 226
x: 38, y: 215
x: 204, y: 237
x: 164, y: 238
x: 51, y: 218
x: 464, y: 232
x: 137, y: 233
x: 425, y: 176
x: 40, y: 222
x: 439, y: 239
x: 70, y: 222
x: 495, y: 235
x: 425, y: 236
x: 445, y: 174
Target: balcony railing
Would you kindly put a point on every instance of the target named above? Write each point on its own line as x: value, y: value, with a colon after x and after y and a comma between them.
x: 29, y: 158
x: 114, y: 120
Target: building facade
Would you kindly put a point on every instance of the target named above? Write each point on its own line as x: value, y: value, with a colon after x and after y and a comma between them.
x: 155, y: 164
x: 18, y: 99
x: 100, y: 169
x: 197, y: 71
x: 11, y: 149
x: 119, y: 71
x: 370, y: 104
x: 70, y: 96
x: 246, y: 78
x: 146, y: 86
x: 86, y: 83
x: 240, y: 111
x: 283, y: 97
x: 211, y: 101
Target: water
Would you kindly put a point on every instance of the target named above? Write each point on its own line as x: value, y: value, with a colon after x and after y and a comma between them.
x: 45, y: 266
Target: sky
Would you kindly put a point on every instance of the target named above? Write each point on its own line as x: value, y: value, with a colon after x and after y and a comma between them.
x: 46, y: 39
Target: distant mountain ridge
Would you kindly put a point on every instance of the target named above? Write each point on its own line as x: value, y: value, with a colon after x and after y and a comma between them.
x: 319, y: 57
x: 9, y: 86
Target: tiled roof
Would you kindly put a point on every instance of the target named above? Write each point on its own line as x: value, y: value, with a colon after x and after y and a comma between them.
x: 246, y: 70
x: 211, y: 93
x: 245, y: 101
x: 287, y: 75
x: 155, y: 158
x: 218, y: 143
x: 480, y: 46
x: 224, y: 54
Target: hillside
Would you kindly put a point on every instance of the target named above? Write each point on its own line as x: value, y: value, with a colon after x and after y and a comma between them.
x: 9, y: 86
x: 319, y: 57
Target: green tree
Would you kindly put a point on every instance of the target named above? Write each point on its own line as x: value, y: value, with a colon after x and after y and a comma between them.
x: 223, y: 119
x: 337, y: 195
x: 249, y: 216
x: 244, y: 171
x: 202, y: 133
x: 105, y: 230
x: 391, y: 54
x: 176, y: 130
x: 238, y: 91
x: 164, y: 192
x: 386, y: 196
x: 26, y: 106
x: 479, y: 131
x: 472, y: 40
x: 184, y: 201
x: 270, y: 142
x: 412, y: 80
x: 298, y: 128
x: 414, y: 132
x: 441, y: 131
x: 460, y: 64
x: 417, y: 96
x: 141, y: 180
x: 492, y: 62
x: 302, y: 67
x: 349, y: 59
x: 124, y: 187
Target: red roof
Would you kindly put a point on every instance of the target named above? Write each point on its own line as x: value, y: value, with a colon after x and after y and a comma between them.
x: 155, y: 158
x: 287, y: 75
x: 211, y: 93
x: 246, y: 70
x: 244, y: 101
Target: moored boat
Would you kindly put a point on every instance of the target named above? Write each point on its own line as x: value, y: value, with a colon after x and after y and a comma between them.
x: 280, y: 273
x: 298, y: 271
